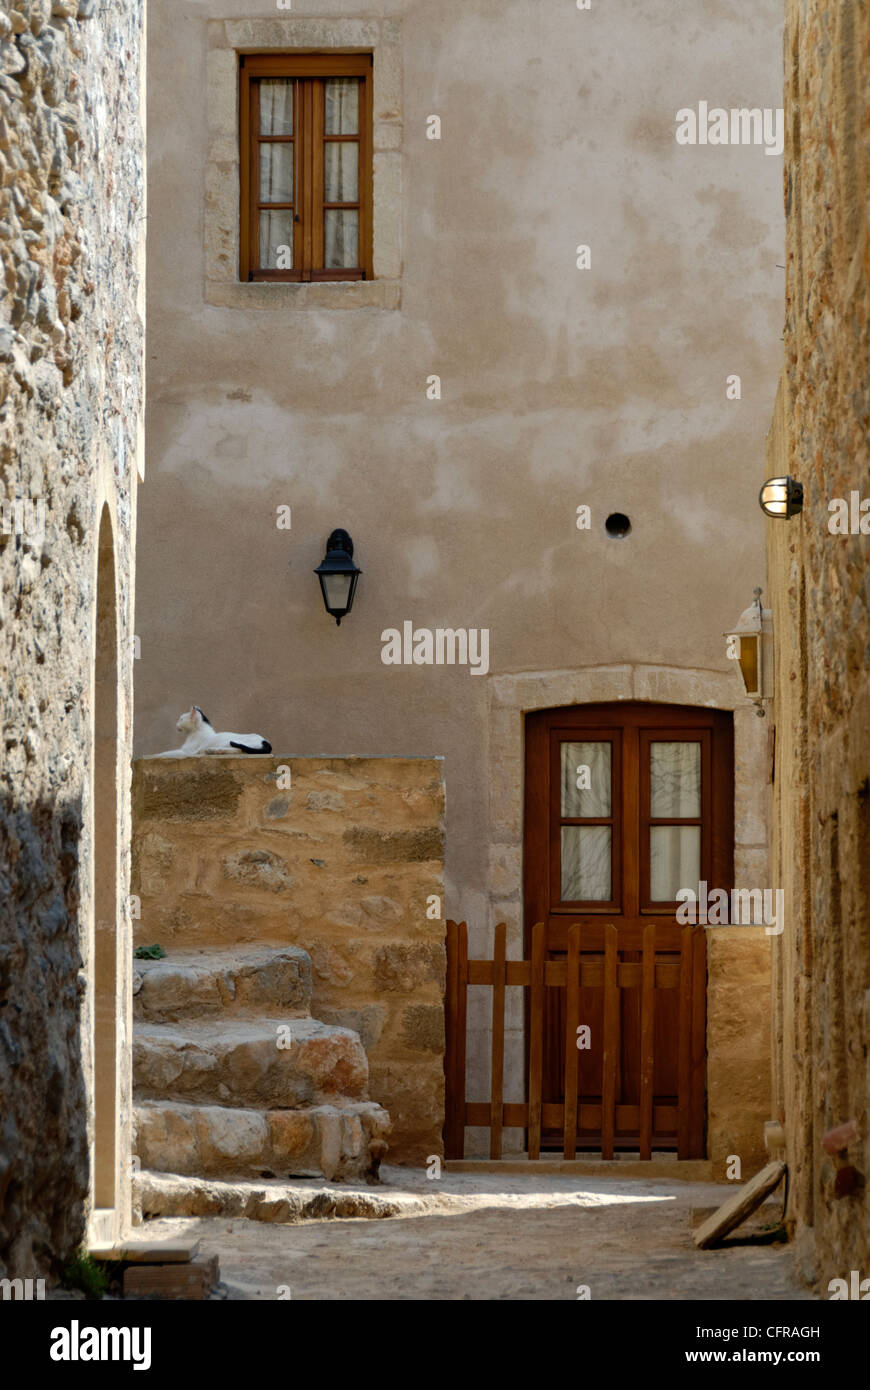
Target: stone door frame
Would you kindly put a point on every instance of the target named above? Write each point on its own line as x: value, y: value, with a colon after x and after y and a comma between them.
x: 733, y: 1126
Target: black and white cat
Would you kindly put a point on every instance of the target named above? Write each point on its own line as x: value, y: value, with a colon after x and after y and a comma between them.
x: 201, y: 738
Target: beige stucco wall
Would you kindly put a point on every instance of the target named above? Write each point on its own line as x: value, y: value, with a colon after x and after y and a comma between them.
x: 346, y: 862
x: 560, y: 387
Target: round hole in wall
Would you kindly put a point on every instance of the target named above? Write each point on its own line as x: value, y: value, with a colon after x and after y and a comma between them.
x: 617, y: 525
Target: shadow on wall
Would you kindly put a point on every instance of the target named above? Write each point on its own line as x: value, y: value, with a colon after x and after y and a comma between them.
x: 43, y: 1107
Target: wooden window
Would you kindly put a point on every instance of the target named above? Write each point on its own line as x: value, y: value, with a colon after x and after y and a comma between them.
x: 585, y: 817
x: 306, y: 167
x: 676, y: 819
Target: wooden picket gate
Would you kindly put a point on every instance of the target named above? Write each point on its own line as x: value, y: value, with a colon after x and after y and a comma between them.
x: 683, y: 1114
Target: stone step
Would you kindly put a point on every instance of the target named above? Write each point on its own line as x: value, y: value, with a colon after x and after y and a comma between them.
x: 157, y: 1195
x: 347, y: 1140
x: 196, y: 984
x: 238, y: 1062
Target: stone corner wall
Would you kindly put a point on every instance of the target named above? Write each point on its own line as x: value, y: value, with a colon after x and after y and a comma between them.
x: 819, y: 582
x: 71, y: 350
x: 337, y: 855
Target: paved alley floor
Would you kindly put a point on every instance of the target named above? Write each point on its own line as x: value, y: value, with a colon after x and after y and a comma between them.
x: 470, y: 1236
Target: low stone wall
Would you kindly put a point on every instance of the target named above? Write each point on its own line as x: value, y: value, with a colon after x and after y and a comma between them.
x: 340, y: 856
x: 738, y: 1048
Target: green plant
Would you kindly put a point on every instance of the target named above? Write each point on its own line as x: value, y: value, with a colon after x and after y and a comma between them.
x: 154, y: 952
x: 85, y: 1273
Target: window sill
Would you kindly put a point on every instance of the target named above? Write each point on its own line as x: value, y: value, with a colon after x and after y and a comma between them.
x: 323, y: 294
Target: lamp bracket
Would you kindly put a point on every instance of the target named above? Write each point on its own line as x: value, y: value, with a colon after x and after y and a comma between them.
x: 340, y: 540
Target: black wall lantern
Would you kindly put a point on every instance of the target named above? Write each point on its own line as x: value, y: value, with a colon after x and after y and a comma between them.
x: 781, y: 498
x: 338, y: 575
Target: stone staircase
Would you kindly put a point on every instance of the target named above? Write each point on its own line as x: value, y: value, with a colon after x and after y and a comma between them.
x: 233, y: 1078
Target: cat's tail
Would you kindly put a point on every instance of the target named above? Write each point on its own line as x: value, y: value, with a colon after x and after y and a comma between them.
x: 264, y: 747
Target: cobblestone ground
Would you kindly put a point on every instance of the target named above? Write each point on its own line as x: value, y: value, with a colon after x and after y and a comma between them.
x: 472, y: 1236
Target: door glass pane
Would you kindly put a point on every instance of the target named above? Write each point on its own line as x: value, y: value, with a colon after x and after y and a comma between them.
x: 276, y: 173
x: 341, y: 161
x: 589, y: 765
x: 276, y: 106
x: 675, y: 780
x: 276, y: 240
x: 341, y: 233
x: 342, y: 106
x: 586, y: 863
x: 675, y: 860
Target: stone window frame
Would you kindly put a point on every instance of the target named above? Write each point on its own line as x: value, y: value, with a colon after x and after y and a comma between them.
x: 227, y: 40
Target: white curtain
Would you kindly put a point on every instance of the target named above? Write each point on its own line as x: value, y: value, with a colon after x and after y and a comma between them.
x: 586, y: 849
x: 276, y: 106
x: 276, y: 232
x: 341, y: 232
x: 341, y: 183
x: 586, y: 863
x: 276, y: 172
x: 341, y: 225
x: 675, y: 860
x: 675, y: 779
x: 342, y: 106
x: 593, y: 800
x: 675, y: 790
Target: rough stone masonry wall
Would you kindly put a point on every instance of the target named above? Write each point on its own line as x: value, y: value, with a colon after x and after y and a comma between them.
x: 71, y: 204
x: 342, y: 863
x: 820, y: 588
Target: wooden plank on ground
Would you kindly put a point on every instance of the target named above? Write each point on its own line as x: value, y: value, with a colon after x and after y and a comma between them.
x: 739, y: 1205
x: 572, y: 1055
x: 499, y: 951
x: 536, y: 1039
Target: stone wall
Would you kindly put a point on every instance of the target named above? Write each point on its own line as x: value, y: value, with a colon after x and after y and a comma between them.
x: 71, y: 220
x: 819, y: 586
x: 342, y: 862
x: 738, y: 1048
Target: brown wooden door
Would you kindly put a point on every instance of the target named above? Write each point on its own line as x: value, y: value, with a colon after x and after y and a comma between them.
x: 625, y: 805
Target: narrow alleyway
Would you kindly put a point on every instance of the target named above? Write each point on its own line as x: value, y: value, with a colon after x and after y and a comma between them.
x: 470, y: 1236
